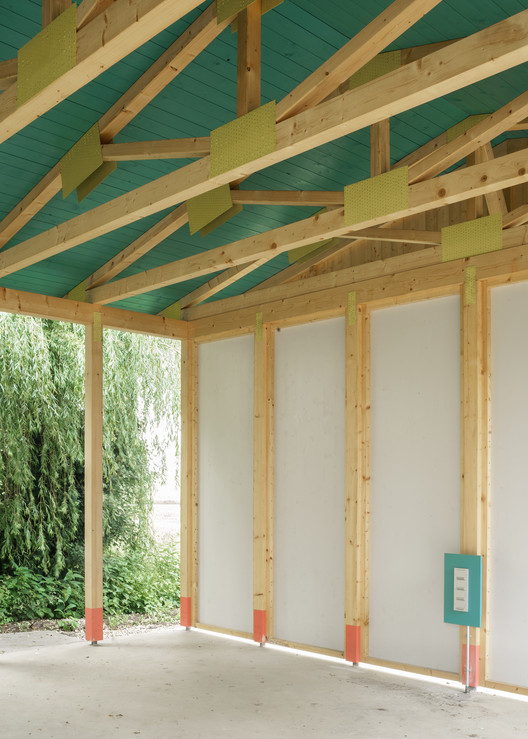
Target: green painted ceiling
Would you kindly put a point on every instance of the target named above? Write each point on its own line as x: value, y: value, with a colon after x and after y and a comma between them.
x: 297, y: 37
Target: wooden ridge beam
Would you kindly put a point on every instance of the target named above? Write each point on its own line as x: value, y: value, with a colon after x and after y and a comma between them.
x: 169, y: 149
x: 423, y: 196
x: 475, y: 57
x: 105, y: 40
x: 179, y: 54
x: 372, y: 39
x: 60, y: 309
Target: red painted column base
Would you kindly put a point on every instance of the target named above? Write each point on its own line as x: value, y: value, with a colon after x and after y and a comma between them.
x: 185, y: 612
x: 353, y: 643
x: 93, y: 629
x: 259, y: 626
x: 474, y: 665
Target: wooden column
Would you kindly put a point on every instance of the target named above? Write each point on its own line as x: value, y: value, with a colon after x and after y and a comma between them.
x: 51, y: 9
x: 248, y: 58
x: 475, y: 431
x: 189, y: 484
x: 93, y: 481
x: 263, y: 484
x: 356, y: 481
x: 380, y: 147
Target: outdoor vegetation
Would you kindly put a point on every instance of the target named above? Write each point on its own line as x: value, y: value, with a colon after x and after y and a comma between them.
x: 42, y: 474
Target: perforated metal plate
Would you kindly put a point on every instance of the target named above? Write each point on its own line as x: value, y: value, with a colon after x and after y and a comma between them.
x: 91, y: 182
x: 233, y: 210
x: 47, y: 56
x: 81, y: 160
x: 470, y: 286
x: 244, y: 139
x: 377, y: 67
x: 460, y: 128
x: 207, y: 207
x: 173, y: 311
x: 471, y: 238
x: 352, y: 308
x: 378, y: 196
x: 78, y: 293
x: 227, y: 8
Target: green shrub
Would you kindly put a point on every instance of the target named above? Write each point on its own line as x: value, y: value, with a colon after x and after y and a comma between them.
x: 27, y: 596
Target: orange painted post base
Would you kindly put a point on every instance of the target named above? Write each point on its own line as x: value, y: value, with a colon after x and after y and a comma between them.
x: 474, y: 663
x: 353, y: 643
x: 185, y: 612
x: 93, y: 629
x: 259, y: 626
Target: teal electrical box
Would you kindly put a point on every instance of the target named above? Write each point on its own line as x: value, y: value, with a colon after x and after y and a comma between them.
x: 463, y: 589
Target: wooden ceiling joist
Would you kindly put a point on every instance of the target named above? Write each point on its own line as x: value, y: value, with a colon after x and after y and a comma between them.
x: 372, y: 39
x: 176, y: 58
x: 473, y: 58
x: 109, y: 37
x: 472, y: 182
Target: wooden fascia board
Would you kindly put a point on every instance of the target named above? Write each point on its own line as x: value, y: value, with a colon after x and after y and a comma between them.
x: 414, y: 284
x: 451, y: 188
x: 60, y: 309
x: 108, y: 38
x: 476, y: 57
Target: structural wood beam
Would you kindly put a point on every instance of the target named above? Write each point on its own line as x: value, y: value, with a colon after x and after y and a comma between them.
x: 248, y: 58
x: 372, y: 39
x: 475, y: 57
x: 8, y: 72
x: 469, y: 183
x: 109, y: 37
x: 219, y: 283
x: 144, y: 150
x: 51, y: 9
x: 88, y: 9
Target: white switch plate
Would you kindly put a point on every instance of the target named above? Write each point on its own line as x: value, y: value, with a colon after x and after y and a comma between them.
x: 461, y: 590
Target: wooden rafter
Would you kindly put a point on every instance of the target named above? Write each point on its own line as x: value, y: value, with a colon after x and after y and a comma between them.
x: 105, y: 40
x: 189, y: 148
x: 176, y: 58
x: 372, y: 39
x: 472, y: 182
x: 88, y: 9
x: 516, y: 217
x: 475, y: 57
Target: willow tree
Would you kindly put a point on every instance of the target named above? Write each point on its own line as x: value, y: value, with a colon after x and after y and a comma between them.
x: 42, y: 438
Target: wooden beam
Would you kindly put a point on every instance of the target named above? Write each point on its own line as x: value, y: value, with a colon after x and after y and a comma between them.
x: 521, y: 126
x: 477, y: 136
x: 380, y: 147
x: 126, y: 25
x: 88, y: 9
x: 248, y: 58
x: 93, y: 481
x: 262, y: 482
x: 176, y: 58
x: 144, y: 150
x: 473, y: 58
x: 143, y: 244
x: 495, y: 201
x: 461, y: 185
x: 218, y: 283
x: 189, y: 484
x: 60, y: 309
x: 517, y: 217
x: 399, y: 235
x: 372, y: 39
x: 8, y: 72
x: 51, y: 9
x: 307, y: 198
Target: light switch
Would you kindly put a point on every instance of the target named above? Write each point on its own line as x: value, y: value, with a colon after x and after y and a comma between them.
x: 461, y: 590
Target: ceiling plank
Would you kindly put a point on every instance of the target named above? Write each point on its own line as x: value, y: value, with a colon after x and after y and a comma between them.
x: 372, y: 39
x: 51, y: 9
x: 476, y: 57
x: 109, y: 37
x: 176, y: 58
x: 189, y: 148
x: 88, y: 9
x: 248, y: 58
x: 472, y: 182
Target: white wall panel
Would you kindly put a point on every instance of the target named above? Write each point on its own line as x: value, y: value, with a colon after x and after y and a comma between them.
x: 310, y: 484
x: 225, y: 483
x: 509, y: 486
x: 415, y: 480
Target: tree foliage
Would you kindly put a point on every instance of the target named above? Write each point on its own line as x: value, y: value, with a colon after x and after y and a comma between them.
x: 42, y: 439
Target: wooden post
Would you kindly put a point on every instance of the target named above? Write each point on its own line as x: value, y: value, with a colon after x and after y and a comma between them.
x: 248, y: 58
x: 475, y: 430
x: 93, y: 481
x: 356, y: 508
x: 380, y: 147
x: 51, y: 9
x: 189, y: 484
x: 263, y: 485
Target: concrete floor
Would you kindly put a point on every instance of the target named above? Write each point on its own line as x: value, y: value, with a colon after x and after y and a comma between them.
x: 172, y: 683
